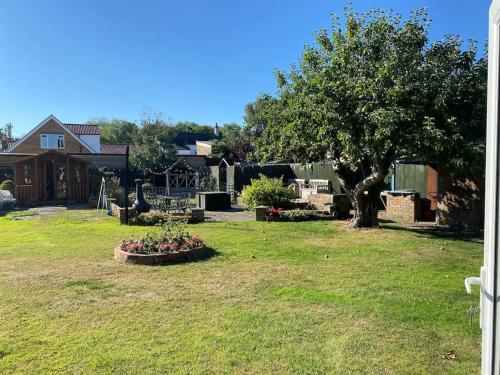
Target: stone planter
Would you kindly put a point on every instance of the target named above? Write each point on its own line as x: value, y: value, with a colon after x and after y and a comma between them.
x: 161, y: 259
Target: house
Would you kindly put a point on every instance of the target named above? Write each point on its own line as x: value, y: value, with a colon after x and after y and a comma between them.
x: 192, y: 143
x: 51, y: 162
x: 52, y: 134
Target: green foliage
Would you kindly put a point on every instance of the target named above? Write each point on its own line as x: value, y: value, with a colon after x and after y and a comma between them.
x: 233, y: 143
x: 131, y: 198
x: 258, y: 114
x: 6, y: 135
x: 372, y: 92
x: 267, y: 191
x: 154, y: 147
x: 191, y: 127
x: 159, y: 218
x: 115, y: 130
x: 7, y: 185
x: 173, y: 238
x: 296, y: 215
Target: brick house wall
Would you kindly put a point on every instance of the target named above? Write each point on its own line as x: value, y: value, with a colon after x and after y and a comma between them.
x: 460, y: 202
x: 32, y: 145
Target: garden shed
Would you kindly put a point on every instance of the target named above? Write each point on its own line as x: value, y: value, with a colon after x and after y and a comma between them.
x: 50, y: 176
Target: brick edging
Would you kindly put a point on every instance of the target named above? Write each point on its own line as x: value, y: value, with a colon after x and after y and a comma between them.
x: 162, y: 258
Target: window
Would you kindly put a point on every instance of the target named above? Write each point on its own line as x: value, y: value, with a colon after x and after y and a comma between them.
x: 52, y: 141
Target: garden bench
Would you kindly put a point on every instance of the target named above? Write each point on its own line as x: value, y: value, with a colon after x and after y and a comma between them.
x: 321, y: 186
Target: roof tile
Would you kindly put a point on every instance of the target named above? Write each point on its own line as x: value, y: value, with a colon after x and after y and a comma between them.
x: 113, y: 148
x: 83, y: 129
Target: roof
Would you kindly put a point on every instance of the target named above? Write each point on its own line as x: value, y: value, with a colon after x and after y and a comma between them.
x: 187, y: 138
x: 49, y: 118
x: 83, y: 129
x: 113, y: 148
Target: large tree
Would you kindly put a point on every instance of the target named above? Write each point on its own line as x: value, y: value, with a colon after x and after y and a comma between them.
x: 233, y: 142
x: 369, y: 93
x: 115, y: 130
x: 154, y: 148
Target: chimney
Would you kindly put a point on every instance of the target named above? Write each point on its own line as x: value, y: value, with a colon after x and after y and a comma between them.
x: 216, y: 130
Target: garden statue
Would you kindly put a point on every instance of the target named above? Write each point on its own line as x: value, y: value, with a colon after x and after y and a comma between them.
x: 140, y: 204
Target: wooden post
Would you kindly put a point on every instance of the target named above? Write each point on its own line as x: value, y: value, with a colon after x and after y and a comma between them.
x: 43, y: 181
x: 126, y: 184
x: 36, y: 185
x: 167, y: 173
x: 67, y: 175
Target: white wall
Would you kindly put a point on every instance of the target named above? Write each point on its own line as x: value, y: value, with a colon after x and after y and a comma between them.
x: 191, y: 151
x: 93, y: 141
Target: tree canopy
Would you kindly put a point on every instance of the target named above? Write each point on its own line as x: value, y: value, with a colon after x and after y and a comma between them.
x: 369, y: 93
x: 115, y: 130
x: 154, y: 148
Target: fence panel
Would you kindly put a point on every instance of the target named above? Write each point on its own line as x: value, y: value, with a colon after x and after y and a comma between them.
x: 412, y: 176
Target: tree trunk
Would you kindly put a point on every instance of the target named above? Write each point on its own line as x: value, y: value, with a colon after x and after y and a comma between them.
x: 366, y: 207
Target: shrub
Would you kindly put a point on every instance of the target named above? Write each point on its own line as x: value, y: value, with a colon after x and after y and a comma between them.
x: 295, y: 215
x: 159, y: 218
x: 131, y: 199
x: 174, y: 238
x: 267, y: 191
x: 7, y: 185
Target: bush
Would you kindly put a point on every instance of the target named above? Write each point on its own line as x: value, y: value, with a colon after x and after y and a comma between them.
x: 295, y: 215
x: 131, y: 199
x: 7, y: 185
x: 159, y: 218
x: 267, y: 191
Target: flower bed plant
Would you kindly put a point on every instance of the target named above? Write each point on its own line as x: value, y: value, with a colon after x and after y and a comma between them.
x: 277, y: 214
x: 159, y: 218
x: 174, y: 238
x: 173, y: 245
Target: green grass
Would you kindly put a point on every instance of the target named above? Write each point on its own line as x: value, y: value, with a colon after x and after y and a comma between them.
x: 305, y: 298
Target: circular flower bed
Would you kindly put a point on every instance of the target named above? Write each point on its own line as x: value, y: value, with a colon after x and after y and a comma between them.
x: 172, y: 245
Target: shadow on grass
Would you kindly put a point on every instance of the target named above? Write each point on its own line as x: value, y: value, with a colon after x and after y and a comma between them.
x: 439, y: 232
x: 210, y: 253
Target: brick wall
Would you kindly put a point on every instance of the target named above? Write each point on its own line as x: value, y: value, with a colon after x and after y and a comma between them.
x: 119, y: 212
x: 460, y: 202
x: 319, y: 200
x: 32, y: 144
x: 402, y: 207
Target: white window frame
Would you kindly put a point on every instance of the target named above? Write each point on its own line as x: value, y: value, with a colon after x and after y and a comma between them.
x: 61, y: 142
x: 489, y: 278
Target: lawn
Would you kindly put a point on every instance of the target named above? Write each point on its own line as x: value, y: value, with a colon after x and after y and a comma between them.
x: 301, y: 298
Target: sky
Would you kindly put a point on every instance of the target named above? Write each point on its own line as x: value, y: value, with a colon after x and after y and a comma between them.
x: 198, y: 61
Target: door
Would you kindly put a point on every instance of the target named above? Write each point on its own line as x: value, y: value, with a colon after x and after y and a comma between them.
x: 489, y: 275
x: 61, y: 180
x: 49, y: 180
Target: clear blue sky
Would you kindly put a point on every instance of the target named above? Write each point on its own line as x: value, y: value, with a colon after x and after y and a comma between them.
x: 191, y: 60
